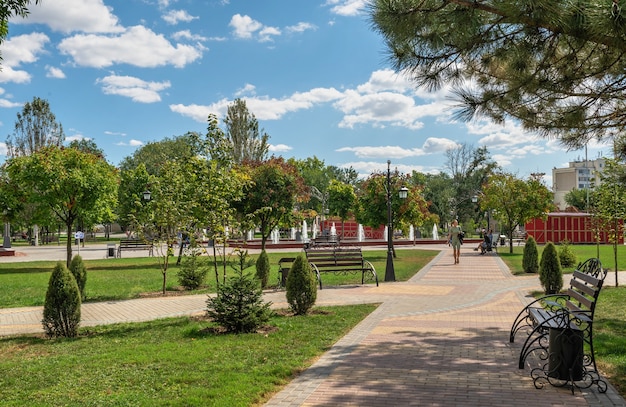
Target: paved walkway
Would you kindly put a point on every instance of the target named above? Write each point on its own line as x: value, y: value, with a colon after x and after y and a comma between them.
x: 440, y: 339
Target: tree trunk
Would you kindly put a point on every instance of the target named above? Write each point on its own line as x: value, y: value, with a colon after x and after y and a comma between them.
x: 68, y: 260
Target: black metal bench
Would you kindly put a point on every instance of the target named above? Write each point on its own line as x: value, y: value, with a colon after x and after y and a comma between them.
x: 340, y: 260
x: 559, y: 331
x: 323, y: 241
x: 284, y: 265
x: 134, y: 244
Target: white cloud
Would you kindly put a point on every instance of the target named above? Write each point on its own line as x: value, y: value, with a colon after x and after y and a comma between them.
x: 4, y: 102
x: 76, y: 137
x: 244, y: 27
x: 173, y: 17
x: 279, y: 148
x: 131, y: 143
x: 347, y: 7
x: 114, y: 133
x: 263, y: 108
x: 137, y: 46
x: 18, y: 50
x: 89, y: 16
x: 430, y: 146
x: 187, y: 35
x: 300, y: 27
x: 8, y: 104
x: 248, y: 89
x: 136, y: 89
x: 54, y: 72
x: 265, y: 35
x: 3, y: 148
x: 366, y: 168
x: 382, y: 151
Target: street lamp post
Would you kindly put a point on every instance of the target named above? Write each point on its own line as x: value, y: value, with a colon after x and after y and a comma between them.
x: 390, y: 273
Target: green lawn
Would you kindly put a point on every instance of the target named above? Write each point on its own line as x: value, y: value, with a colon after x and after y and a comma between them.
x: 126, y: 364
x: 583, y: 252
x: 25, y: 284
x: 172, y: 362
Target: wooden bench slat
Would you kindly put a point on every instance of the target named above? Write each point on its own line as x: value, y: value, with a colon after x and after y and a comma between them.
x: 339, y: 260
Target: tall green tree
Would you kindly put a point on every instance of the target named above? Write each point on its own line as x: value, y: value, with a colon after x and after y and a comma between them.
x: 469, y: 168
x: 36, y: 127
x: 269, y: 200
x: 578, y: 198
x: 372, y: 202
x: 247, y: 142
x: 65, y: 182
x: 316, y: 176
x: 342, y: 201
x: 609, y: 205
x: 154, y: 154
x: 514, y: 201
x: 438, y: 191
x: 557, y: 67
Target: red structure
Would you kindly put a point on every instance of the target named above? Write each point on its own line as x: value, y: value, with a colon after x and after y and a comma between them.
x: 560, y: 226
x: 351, y: 229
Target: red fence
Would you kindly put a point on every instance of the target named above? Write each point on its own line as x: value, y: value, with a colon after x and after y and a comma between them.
x: 351, y: 229
x: 560, y: 226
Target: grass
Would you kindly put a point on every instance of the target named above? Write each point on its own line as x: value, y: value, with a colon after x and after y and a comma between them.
x: 583, y: 252
x: 25, y: 284
x: 180, y: 362
x: 610, y: 336
x: 172, y: 362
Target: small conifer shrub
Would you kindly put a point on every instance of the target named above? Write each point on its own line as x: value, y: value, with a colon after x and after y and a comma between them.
x: 263, y: 269
x: 61, y: 311
x: 238, y: 306
x: 79, y: 271
x: 566, y: 255
x: 530, y: 259
x: 550, y: 273
x: 193, y: 268
x: 301, y: 286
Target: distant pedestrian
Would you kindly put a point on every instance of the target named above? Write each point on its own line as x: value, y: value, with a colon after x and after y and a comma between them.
x: 454, y: 239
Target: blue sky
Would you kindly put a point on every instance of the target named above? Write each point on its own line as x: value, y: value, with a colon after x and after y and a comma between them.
x: 314, y: 73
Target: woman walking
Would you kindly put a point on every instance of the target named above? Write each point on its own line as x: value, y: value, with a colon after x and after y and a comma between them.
x: 454, y: 239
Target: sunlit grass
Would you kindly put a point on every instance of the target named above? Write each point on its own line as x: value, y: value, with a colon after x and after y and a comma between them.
x: 25, y: 284
x: 172, y: 362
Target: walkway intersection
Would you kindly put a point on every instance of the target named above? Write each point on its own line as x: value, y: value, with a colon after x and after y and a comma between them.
x: 440, y: 339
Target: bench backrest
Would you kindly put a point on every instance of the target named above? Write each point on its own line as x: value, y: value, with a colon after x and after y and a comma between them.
x: 335, y: 258
x: 584, y: 289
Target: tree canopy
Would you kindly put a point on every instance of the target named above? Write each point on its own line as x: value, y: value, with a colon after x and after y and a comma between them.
x: 270, y: 198
x: 67, y: 183
x: 514, y: 201
x: 247, y: 142
x: 556, y: 66
x: 36, y: 127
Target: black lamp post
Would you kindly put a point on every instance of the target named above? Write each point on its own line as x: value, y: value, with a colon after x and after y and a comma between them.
x: 147, y: 195
x: 390, y: 273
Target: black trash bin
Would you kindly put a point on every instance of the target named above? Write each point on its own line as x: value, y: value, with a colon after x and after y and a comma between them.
x: 565, y: 351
